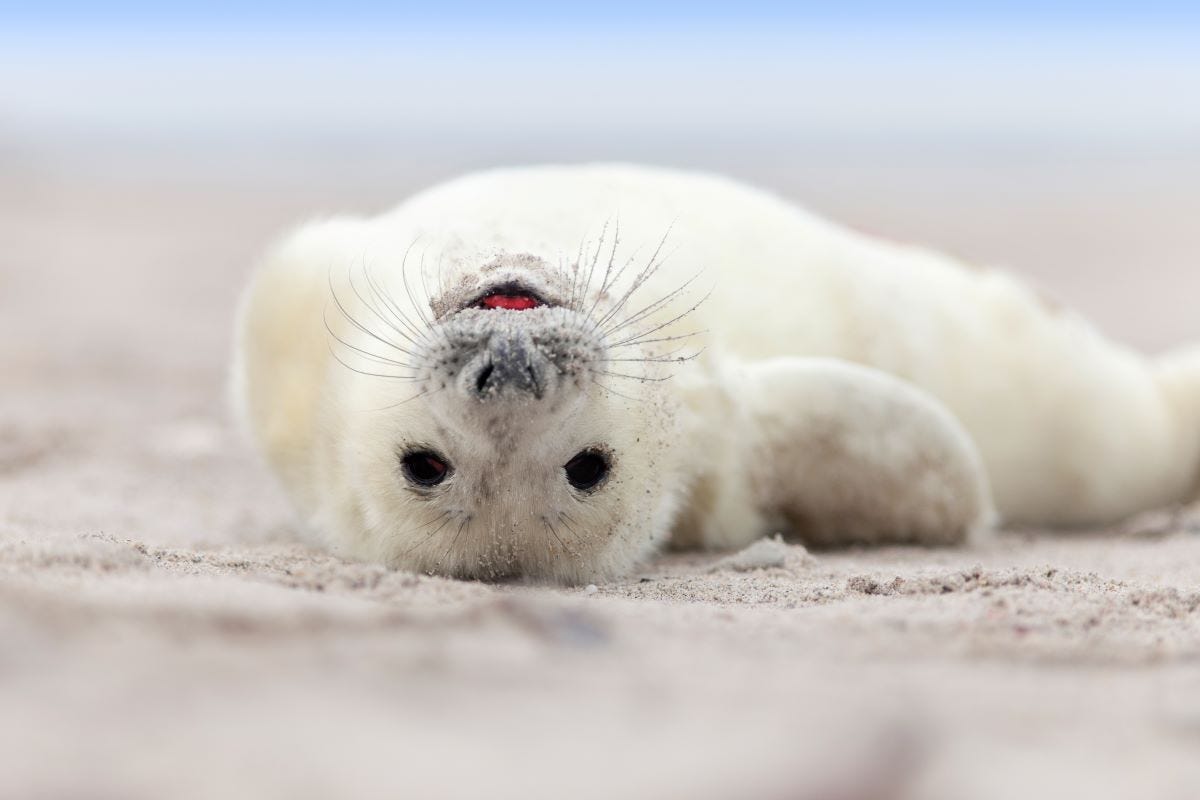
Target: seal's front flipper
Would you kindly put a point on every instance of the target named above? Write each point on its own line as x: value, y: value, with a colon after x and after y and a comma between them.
x: 842, y: 454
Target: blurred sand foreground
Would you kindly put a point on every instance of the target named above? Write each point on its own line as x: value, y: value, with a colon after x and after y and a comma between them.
x: 160, y: 635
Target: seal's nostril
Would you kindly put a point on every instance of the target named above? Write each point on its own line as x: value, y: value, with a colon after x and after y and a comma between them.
x: 482, y: 380
x: 511, y: 366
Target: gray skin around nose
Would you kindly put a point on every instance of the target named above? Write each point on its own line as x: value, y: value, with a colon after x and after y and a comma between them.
x: 511, y: 364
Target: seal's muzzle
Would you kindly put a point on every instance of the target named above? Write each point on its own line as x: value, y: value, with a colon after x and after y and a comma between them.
x: 510, y: 364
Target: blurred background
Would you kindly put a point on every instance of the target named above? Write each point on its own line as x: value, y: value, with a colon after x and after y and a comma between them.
x: 148, y: 153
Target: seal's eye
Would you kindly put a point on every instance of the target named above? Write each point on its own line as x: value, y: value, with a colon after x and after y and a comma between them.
x: 586, y: 470
x: 425, y: 468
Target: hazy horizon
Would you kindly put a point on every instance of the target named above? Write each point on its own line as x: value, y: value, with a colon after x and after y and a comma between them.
x: 1092, y: 77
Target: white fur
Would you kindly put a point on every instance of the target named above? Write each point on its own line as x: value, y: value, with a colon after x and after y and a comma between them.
x: 1069, y: 428
x: 835, y: 454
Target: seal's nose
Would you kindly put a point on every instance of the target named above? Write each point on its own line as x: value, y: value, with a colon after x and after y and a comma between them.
x: 512, y: 363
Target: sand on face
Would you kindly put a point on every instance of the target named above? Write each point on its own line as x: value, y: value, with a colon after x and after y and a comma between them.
x: 162, y: 634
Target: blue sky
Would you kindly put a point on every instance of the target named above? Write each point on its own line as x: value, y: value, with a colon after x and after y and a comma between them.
x: 532, y: 14
x: 1083, y: 71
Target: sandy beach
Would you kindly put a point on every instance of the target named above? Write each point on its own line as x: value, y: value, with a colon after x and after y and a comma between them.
x: 162, y: 634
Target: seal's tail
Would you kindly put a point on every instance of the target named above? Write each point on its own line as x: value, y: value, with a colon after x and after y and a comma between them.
x: 1179, y: 375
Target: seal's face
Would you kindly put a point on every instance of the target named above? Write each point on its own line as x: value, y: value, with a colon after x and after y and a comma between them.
x: 514, y: 454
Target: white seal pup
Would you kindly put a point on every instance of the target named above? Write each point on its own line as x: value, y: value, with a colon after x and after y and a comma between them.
x: 548, y: 372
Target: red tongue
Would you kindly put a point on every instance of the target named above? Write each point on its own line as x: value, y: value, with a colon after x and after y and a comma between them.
x: 512, y: 302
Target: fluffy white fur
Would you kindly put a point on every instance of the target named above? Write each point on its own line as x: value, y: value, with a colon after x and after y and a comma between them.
x: 966, y: 378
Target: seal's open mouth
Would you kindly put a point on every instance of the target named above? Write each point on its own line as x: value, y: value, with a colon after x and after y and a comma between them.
x: 510, y: 297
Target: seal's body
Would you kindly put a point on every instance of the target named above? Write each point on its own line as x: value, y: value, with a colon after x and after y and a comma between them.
x: 548, y: 372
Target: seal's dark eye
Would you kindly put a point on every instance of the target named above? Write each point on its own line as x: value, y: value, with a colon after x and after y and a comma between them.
x: 586, y: 470
x: 425, y: 468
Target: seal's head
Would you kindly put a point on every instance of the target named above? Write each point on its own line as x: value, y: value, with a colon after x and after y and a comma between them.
x: 526, y: 432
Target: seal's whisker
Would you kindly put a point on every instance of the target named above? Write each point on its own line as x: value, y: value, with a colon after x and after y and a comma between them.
x: 668, y: 355
x: 354, y: 322
x: 568, y: 277
x: 430, y: 326
x: 372, y: 358
x: 353, y: 368
x: 425, y: 283
x: 443, y: 288
x: 554, y: 533
x: 441, y: 279
x: 444, y: 517
x: 394, y: 308
x: 408, y: 288
x: 575, y: 271
x: 464, y: 525
x: 610, y: 390
x: 655, y: 263
x: 417, y: 396
x: 567, y: 523
x: 607, y: 282
x: 633, y: 377
x: 586, y: 323
x: 371, y: 307
x: 561, y: 269
x: 587, y: 286
x: 639, y: 342
x: 657, y: 359
x: 662, y: 325
x: 616, y: 279
x: 430, y: 322
x: 652, y: 307
x: 367, y: 354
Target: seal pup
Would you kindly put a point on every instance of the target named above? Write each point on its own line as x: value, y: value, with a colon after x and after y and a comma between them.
x: 549, y: 372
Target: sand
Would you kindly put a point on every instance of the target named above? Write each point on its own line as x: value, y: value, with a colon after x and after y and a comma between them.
x: 162, y: 634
